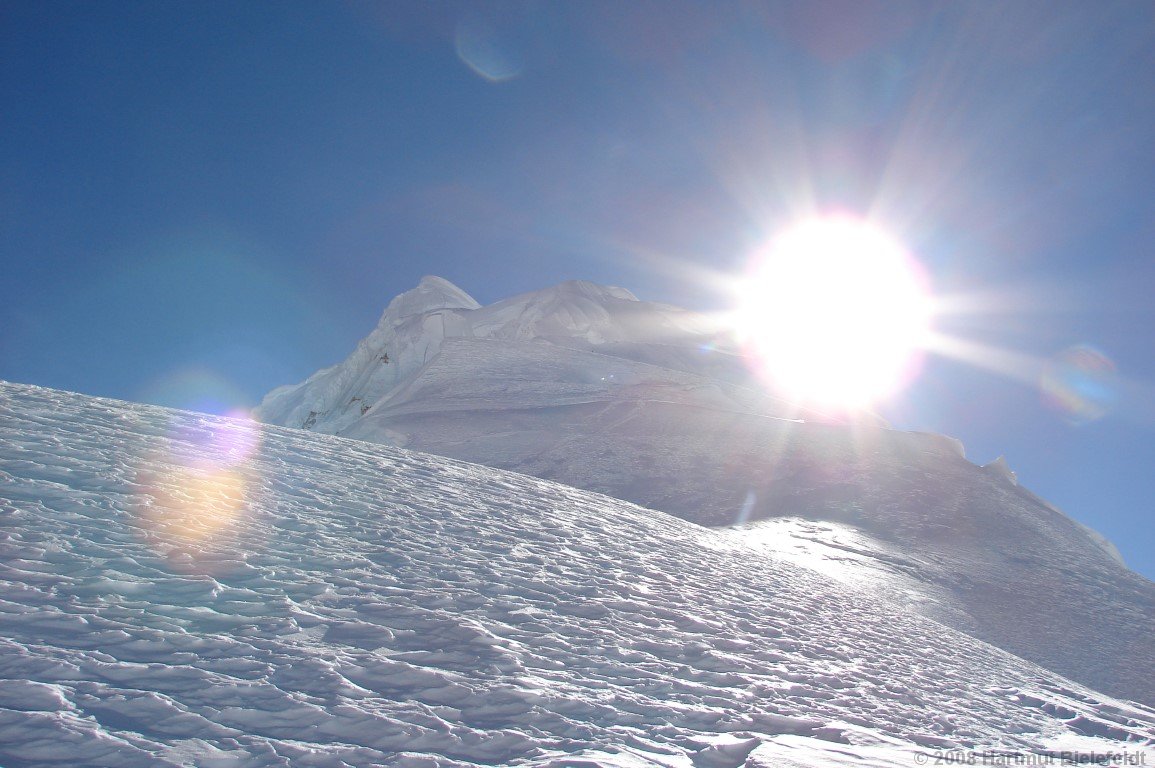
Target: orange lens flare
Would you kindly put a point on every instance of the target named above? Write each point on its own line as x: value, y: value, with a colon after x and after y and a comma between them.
x: 194, y: 492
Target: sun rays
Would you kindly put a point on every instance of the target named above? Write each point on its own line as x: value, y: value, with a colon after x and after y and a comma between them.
x: 834, y: 312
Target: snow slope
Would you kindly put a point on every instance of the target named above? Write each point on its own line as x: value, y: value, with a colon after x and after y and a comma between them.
x: 587, y: 386
x: 180, y: 589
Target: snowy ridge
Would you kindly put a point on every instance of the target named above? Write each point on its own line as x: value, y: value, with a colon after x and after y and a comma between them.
x: 588, y: 387
x: 573, y: 315
x: 431, y: 294
x: 408, y: 334
x: 179, y: 589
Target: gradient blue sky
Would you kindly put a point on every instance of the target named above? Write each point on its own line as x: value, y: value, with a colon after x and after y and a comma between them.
x: 202, y: 200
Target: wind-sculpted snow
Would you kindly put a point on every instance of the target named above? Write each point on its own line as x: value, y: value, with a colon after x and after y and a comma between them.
x: 588, y: 387
x: 572, y: 316
x: 179, y: 589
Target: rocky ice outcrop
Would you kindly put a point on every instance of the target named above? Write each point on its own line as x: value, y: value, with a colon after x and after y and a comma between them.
x: 1000, y: 469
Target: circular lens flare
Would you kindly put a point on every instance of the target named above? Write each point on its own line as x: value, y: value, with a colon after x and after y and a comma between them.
x: 483, y: 47
x: 1081, y: 383
x: 835, y: 313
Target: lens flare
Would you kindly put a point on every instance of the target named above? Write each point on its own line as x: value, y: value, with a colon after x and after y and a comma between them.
x: 483, y: 47
x: 195, y: 490
x: 221, y: 444
x: 835, y: 313
x: 1081, y: 383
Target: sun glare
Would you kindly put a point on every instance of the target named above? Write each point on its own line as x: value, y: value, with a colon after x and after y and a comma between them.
x: 835, y: 313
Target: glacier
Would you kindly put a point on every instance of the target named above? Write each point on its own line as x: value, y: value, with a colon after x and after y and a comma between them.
x: 179, y: 589
x: 588, y: 386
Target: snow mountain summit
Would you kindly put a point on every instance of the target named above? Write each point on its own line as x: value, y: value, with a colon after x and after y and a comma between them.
x: 586, y: 385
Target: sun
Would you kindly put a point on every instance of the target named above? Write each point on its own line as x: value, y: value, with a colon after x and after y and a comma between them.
x: 834, y: 312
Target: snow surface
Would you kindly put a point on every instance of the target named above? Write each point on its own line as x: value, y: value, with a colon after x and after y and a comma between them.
x: 186, y: 590
x: 590, y: 387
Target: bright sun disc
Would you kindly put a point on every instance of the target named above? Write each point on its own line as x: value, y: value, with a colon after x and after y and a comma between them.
x: 835, y: 313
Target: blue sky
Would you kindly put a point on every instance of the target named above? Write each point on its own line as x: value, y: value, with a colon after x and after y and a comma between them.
x: 201, y: 201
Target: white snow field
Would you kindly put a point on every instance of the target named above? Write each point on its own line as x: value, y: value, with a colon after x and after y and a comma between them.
x: 188, y: 590
x: 585, y: 385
